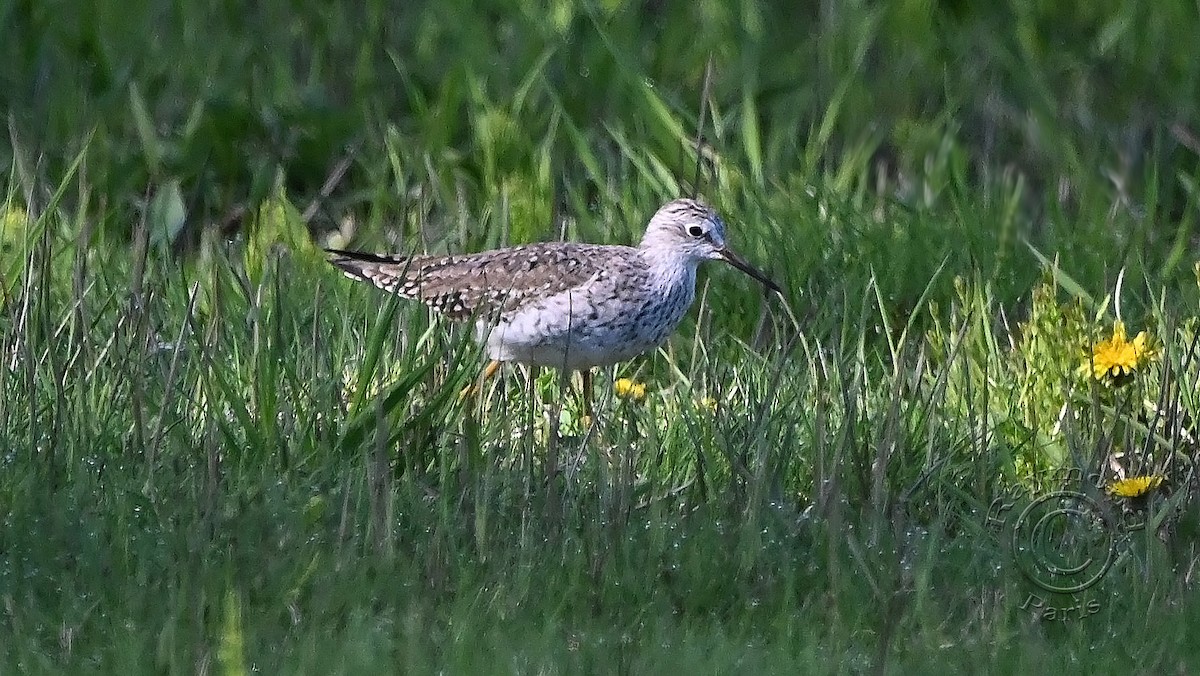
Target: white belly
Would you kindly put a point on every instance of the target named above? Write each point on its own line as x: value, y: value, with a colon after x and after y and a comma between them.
x: 586, y: 327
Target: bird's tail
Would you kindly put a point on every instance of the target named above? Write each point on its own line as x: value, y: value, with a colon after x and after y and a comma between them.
x: 386, y: 272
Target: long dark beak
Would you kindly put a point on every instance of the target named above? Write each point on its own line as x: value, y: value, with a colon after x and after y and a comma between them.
x: 737, y: 262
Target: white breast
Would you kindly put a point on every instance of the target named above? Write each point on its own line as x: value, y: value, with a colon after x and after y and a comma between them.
x: 611, y: 318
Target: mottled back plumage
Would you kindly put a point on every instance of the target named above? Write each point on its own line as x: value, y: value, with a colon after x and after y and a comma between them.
x: 468, y: 285
x: 563, y: 304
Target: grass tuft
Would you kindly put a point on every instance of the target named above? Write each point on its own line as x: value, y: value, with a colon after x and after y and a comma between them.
x: 219, y: 454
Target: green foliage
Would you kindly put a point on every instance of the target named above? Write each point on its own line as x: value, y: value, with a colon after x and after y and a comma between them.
x: 220, y: 454
x: 1034, y: 383
x: 1049, y: 349
x: 276, y: 224
x: 245, y: 464
x: 14, y: 228
x: 525, y: 111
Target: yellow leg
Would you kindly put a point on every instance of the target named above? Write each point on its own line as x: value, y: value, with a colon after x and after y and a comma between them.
x: 488, y: 372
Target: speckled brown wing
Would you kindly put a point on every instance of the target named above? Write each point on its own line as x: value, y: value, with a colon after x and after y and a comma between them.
x: 471, y: 285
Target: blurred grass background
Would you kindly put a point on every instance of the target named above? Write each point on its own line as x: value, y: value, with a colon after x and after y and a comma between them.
x: 542, y: 102
x: 220, y: 456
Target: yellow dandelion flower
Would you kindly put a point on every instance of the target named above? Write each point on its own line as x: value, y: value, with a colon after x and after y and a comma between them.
x: 1135, y: 486
x: 627, y: 388
x: 1118, y: 357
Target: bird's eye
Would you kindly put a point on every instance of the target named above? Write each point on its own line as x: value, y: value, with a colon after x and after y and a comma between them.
x: 696, y: 231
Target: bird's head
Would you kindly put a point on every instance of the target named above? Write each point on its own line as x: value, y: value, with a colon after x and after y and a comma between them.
x: 691, y: 229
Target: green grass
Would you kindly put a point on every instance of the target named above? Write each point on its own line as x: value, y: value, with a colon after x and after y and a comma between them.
x: 220, y: 455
